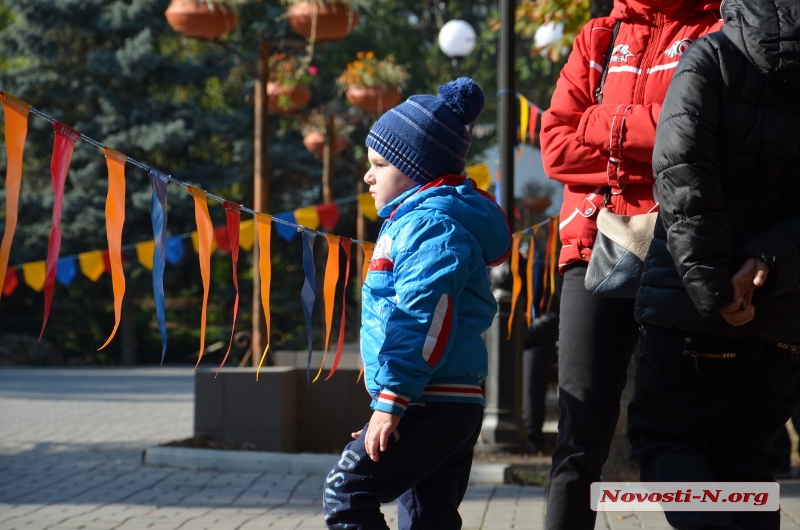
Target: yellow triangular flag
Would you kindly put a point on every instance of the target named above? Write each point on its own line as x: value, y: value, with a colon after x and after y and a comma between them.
x: 480, y: 174
x: 367, y: 205
x: 307, y: 217
x: 144, y: 253
x: 247, y: 234
x: 34, y: 274
x: 92, y: 265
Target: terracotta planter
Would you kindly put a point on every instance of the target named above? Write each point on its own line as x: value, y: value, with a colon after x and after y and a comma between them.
x: 315, y: 142
x: 537, y: 204
x: 375, y: 100
x: 297, y: 97
x: 331, y: 22
x: 196, y: 19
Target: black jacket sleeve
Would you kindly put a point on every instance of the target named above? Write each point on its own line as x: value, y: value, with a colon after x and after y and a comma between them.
x: 779, y: 247
x: 686, y: 165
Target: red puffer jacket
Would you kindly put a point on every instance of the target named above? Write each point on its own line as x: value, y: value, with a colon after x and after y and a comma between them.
x: 587, y: 146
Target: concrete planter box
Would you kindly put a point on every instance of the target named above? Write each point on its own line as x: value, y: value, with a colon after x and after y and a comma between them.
x: 281, y: 412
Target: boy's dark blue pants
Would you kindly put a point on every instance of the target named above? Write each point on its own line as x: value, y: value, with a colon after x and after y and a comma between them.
x: 426, y: 468
x: 706, y: 410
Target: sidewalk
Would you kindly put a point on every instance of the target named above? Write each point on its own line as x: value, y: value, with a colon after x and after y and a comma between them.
x: 71, y: 443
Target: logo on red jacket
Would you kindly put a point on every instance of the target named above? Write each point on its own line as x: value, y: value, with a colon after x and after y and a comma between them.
x: 621, y: 53
x: 678, y: 48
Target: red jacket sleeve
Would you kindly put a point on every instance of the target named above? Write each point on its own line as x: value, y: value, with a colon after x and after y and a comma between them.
x: 629, y: 129
x: 582, y: 144
x: 565, y: 159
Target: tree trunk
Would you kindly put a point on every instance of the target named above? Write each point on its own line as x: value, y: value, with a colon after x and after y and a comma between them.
x: 600, y: 8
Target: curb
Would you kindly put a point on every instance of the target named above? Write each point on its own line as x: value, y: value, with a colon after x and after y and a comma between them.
x: 285, y: 463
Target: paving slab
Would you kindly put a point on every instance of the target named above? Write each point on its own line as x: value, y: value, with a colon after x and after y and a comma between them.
x: 71, y: 445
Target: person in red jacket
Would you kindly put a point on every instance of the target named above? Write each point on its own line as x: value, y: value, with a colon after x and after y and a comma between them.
x: 602, y: 153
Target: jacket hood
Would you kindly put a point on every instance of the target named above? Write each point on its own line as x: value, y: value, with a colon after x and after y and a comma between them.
x: 648, y: 9
x: 477, y: 213
x: 767, y: 32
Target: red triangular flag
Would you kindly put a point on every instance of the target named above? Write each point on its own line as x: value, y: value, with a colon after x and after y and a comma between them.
x: 222, y: 238
x: 328, y: 215
x: 11, y: 282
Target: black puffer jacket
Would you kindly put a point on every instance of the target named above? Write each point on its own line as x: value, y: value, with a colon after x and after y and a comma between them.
x: 727, y: 166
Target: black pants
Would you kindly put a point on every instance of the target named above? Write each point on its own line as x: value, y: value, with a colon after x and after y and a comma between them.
x: 536, y: 363
x: 426, y: 468
x: 707, y: 409
x: 597, y: 337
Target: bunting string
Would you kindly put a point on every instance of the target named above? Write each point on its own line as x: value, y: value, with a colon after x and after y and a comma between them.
x: 309, y: 292
x: 516, y: 285
x: 549, y: 266
x: 329, y: 292
x: 115, y: 219
x: 204, y: 236
x: 529, y: 277
x: 63, y: 146
x: 528, y: 119
x: 553, y: 258
x: 233, y: 217
x: 264, y: 223
x: 15, y: 113
x: 297, y: 227
x: 158, y: 217
x: 346, y: 244
x: 41, y: 275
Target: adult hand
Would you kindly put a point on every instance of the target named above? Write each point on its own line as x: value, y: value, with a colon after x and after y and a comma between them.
x: 381, y: 426
x: 738, y: 313
x: 750, y: 276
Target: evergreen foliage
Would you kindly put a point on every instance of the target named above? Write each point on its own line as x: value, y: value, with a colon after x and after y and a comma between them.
x: 115, y: 71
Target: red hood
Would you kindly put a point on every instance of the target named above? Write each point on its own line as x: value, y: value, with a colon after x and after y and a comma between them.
x: 675, y: 9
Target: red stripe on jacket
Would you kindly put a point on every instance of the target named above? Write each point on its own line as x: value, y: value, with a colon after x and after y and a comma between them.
x: 444, y: 334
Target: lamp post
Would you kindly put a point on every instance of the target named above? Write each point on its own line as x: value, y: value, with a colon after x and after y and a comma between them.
x: 456, y: 40
x: 502, y: 416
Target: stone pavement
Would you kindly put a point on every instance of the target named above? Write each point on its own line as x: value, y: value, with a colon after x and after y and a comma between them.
x: 71, y: 442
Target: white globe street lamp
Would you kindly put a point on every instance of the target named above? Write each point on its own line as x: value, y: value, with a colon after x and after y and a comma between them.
x: 548, y: 34
x: 457, y: 39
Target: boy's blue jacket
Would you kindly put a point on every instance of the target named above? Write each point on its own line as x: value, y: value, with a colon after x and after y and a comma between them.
x: 427, y: 297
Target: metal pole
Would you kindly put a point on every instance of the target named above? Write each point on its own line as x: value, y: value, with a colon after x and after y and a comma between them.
x: 501, y: 426
x: 260, y: 191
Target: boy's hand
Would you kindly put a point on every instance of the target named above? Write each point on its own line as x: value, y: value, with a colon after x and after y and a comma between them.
x: 381, y: 426
x: 751, y: 275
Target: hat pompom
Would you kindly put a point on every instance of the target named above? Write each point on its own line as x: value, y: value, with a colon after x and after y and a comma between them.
x: 464, y: 97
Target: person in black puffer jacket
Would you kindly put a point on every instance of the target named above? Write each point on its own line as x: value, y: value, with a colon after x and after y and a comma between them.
x: 718, y: 371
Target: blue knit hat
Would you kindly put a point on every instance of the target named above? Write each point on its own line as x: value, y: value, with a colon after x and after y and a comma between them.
x: 425, y: 137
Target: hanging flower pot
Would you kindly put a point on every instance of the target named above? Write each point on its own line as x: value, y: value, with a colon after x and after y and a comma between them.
x: 200, y: 19
x: 330, y: 21
x: 315, y: 142
x: 375, y: 100
x: 373, y: 85
x: 285, y: 100
x: 537, y: 204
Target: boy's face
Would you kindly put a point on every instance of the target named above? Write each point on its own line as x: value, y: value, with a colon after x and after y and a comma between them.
x: 385, y: 181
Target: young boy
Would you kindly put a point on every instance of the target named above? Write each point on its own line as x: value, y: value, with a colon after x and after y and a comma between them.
x: 425, y: 302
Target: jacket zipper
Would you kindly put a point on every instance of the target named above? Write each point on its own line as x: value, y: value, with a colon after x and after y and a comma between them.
x: 794, y: 349
x: 652, y: 44
x: 695, y: 355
